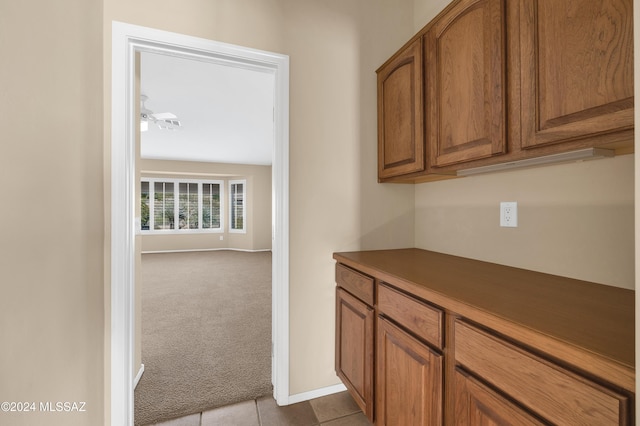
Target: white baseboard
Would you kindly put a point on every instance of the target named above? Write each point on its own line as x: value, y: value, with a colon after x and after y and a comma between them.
x: 306, y: 396
x: 138, y: 376
x: 209, y: 249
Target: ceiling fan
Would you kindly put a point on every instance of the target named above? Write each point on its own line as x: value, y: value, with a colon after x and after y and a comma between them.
x: 164, y: 120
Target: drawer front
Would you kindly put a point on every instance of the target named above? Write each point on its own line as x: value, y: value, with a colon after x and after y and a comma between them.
x: 422, y: 320
x: 556, y: 394
x: 355, y: 283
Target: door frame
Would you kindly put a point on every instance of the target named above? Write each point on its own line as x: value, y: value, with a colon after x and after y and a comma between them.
x: 127, y: 40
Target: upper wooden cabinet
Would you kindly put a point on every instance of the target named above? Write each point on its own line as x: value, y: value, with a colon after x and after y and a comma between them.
x: 576, y: 69
x: 504, y: 81
x: 466, y: 100
x: 400, y: 113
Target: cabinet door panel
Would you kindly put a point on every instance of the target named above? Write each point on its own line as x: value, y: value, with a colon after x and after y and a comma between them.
x: 577, y: 69
x: 400, y: 114
x: 466, y: 89
x: 354, y: 348
x: 477, y: 405
x: 408, y: 379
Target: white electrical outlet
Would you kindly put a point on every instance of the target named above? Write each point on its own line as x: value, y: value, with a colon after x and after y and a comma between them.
x: 509, y: 214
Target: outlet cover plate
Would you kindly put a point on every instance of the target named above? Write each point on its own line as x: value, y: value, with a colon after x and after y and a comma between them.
x: 509, y: 214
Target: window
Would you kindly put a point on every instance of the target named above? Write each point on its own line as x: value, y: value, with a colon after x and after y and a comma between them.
x: 163, y: 205
x: 237, y: 213
x: 210, y: 206
x: 188, y: 205
x: 145, y: 209
x: 195, y: 204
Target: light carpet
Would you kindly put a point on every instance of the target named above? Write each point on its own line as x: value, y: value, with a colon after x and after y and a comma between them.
x: 206, y: 332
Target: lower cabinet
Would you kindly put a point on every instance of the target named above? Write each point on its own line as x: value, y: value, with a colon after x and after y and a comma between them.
x: 408, y: 379
x: 478, y: 405
x: 408, y: 360
x: 542, y: 387
x: 354, y: 348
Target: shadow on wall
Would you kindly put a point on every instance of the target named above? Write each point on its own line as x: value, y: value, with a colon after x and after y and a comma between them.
x: 391, y: 234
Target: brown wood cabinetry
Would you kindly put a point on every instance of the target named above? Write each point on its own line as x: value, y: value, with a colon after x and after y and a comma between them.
x: 464, y: 342
x: 355, y: 347
x: 477, y: 405
x: 506, y: 81
x: 555, y: 394
x: 400, y: 113
x: 466, y: 99
x: 423, y: 320
x: 576, y: 70
x: 408, y: 379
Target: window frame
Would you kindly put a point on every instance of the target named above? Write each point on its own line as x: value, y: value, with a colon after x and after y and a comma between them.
x: 244, y: 206
x: 176, y: 185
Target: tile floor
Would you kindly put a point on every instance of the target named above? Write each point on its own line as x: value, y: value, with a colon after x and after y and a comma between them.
x: 332, y: 410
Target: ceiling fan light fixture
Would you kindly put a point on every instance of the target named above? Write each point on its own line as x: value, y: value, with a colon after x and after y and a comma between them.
x: 164, y: 120
x: 168, y: 124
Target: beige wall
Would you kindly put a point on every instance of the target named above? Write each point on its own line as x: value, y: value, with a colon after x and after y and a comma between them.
x: 51, y: 247
x: 574, y: 220
x: 335, y: 202
x: 258, y: 219
x: 425, y: 10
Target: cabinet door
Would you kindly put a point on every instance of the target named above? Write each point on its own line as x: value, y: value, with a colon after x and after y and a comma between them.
x: 478, y: 405
x: 466, y: 101
x: 408, y: 379
x: 576, y: 69
x: 400, y: 114
x: 354, y: 348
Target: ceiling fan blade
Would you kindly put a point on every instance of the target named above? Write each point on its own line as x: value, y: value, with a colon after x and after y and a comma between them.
x: 164, y: 116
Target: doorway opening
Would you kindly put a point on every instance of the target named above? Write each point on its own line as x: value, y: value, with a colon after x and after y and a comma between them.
x: 127, y: 41
x: 203, y: 285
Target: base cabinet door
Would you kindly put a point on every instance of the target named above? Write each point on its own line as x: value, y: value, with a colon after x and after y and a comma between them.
x: 478, y: 405
x: 354, y: 348
x: 408, y: 379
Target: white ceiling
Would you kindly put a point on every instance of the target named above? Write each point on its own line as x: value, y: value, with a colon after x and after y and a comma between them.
x: 226, y: 112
